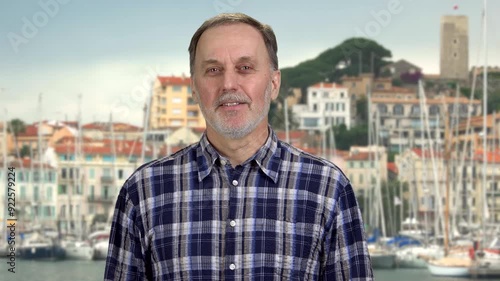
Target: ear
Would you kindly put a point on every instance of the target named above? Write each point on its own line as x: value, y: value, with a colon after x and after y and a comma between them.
x: 194, y: 92
x: 276, y: 83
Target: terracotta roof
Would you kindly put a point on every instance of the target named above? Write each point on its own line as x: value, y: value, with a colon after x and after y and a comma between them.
x: 491, y: 157
x: 30, y: 131
x: 477, y: 121
x: 427, y: 153
x: 391, y: 166
x: 327, y: 85
x: 395, y: 90
x: 122, y: 147
x: 361, y: 156
x: 26, y: 164
x: 174, y: 80
x: 117, y: 127
x: 439, y: 101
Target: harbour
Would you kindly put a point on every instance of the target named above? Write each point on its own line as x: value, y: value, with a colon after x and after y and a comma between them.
x: 78, y: 270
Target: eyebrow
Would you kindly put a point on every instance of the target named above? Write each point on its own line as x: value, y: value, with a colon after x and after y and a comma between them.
x: 215, y: 61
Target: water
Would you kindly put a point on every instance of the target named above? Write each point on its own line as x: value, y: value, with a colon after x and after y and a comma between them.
x: 94, y: 271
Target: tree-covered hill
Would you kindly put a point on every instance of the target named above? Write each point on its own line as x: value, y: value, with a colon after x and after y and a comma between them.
x: 343, y: 59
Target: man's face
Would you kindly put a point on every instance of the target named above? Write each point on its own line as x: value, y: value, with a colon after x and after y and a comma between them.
x: 233, y: 81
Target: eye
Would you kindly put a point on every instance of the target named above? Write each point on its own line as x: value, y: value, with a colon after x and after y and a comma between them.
x: 212, y: 69
x: 245, y: 67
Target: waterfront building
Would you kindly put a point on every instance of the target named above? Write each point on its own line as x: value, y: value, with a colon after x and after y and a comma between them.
x: 328, y: 104
x: 172, y: 104
x: 89, y: 181
x: 35, y: 193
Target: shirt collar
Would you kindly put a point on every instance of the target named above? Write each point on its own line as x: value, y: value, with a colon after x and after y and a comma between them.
x: 267, y: 157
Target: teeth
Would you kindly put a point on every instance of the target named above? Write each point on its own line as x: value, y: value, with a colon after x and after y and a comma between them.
x: 231, y: 104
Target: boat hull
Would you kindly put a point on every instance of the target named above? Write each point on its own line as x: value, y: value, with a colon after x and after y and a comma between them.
x: 383, y: 261
x: 42, y: 252
x: 450, y: 271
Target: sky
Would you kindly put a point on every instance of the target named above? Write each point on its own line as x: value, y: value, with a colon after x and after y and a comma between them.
x: 98, y: 57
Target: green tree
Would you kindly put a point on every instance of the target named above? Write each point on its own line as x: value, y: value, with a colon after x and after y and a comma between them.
x: 344, y: 59
x: 25, y: 151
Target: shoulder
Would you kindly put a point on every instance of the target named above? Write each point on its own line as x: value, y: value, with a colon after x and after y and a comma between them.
x: 158, y: 170
x: 311, y: 163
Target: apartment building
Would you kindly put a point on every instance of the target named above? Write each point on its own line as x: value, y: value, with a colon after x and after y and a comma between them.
x: 89, y: 181
x: 365, y: 166
x: 400, y: 123
x: 172, y: 105
x: 358, y: 87
x: 328, y: 104
x: 6, y: 142
x: 425, y: 171
x: 117, y: 130
x: 35, y: 190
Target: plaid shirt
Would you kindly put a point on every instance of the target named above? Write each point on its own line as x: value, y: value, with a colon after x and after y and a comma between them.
x: 281, y: 215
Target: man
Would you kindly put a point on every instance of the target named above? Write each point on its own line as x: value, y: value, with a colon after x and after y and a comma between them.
x: 240, y: 204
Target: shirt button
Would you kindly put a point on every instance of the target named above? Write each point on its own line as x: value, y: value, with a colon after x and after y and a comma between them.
x: 235, y: 182
x: 232, y: 223
x: 232, y: 266
x: 223, y: 162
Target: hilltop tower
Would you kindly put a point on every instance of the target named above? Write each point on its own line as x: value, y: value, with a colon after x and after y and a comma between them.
x: 454, y: 62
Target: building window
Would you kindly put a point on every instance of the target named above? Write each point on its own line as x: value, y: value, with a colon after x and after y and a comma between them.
x: 342, y: 95
x: 310, y: 122
x: 176, y: 100
x: 36, y: 195
x: 192, y: 113
x: 62, y: 189
x: 176, y: 88
x: 49, y: 193
x: 415, y: 109
x: 189, y: 89
x: 176, y: 111
x: 315, y: 107
x: 382, y: 108
x: 325, y: 94
x: 398, y: 109
x: 191, y: 101
x: 433, y: 110
x: 176, y: 122
x: 120, y: 174
x: 313, y: 94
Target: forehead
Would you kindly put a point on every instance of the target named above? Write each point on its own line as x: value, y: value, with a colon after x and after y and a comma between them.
x: 236, y: 39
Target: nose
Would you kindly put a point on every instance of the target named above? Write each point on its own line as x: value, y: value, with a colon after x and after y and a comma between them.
x: 230, y: 81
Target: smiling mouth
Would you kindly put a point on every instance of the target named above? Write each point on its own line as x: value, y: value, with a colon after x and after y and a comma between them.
x: 230, y: 104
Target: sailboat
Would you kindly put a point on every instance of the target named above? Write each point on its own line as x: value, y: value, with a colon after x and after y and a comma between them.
x: 39, y: 245
x: 75, y: 247
x: 380, y: 255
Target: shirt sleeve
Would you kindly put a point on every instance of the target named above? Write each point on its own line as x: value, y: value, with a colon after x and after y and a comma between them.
x: 126, y: 256
x: 347, y: 257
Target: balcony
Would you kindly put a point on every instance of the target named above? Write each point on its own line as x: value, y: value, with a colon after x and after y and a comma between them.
x: 107, y: 179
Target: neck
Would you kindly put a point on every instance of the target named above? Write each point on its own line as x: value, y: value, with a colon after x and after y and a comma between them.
x: 239, y: 150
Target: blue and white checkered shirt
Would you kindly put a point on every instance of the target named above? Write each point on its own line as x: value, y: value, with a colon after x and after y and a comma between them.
x: 281, y: 215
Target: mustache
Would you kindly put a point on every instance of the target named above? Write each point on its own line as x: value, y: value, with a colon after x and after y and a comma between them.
x: 231, y: 97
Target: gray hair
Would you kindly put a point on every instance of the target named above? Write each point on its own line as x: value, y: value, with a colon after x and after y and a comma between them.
x: 230, y: 18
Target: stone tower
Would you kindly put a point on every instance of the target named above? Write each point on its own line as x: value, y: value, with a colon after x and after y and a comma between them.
x: 454, y: 62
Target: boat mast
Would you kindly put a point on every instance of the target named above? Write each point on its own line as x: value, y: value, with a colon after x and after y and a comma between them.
x: 485, y: 109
